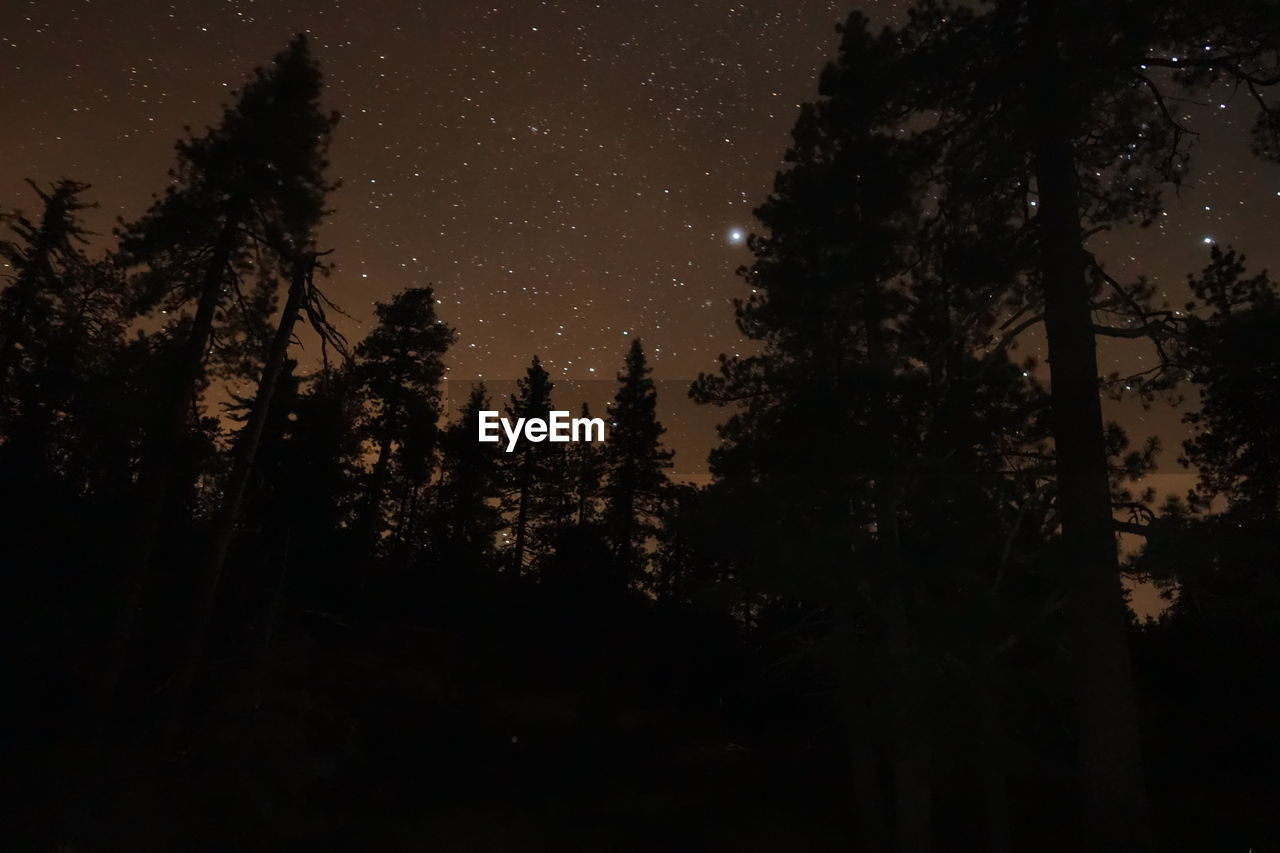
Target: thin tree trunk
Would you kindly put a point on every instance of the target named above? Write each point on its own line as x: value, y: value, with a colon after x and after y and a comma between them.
x: 369, y: 531
x: 371, y: 518
x: 582, y: 503
x: 377, y: 485
x: 864, y: 730
x: 995, y: 784
x: 229, y: 511
x: 406, y: 525
x: 868, y: 800
x: 156, y: 476
x: 910, y: 753
x: 1113, y: 798
x: 624, y: 513
x: 910, y: 756
x: 522, y: 522
x: 261, y: 670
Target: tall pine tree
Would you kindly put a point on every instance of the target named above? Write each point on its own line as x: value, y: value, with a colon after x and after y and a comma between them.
x: 244, y: 199
x: 530, y: 494
x: 636, y: 463
x: 399, y: 368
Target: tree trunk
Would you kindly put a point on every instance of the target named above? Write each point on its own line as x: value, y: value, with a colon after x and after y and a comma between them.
x: 370, y: 529
x: 522, y: 522
x: 369, y: 526
x: 407, y: 525
x: 995, y: 785
x: 624, y: 519
x: 1114, y: 802
x: 262, y: 666
x: 229, y: 510
x: 873, y: 836
x: 156, y: 476
x: 910, y: 755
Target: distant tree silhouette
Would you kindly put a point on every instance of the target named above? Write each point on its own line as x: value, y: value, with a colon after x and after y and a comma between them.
x: 1232, y: 356
x: 689, y: 564
x: 47, y: 265
x: 310, y: 463
x: 636, y: 465
x: 398, y: 369
x: 464, y: 518
x: 1208, y: 654
x: 1210, y: 547
x: 585, y: 467
x: 68, y: 425
x: 61, y: 325
x: 530, y: 499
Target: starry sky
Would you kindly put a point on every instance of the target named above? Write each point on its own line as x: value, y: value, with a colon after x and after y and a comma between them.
x: 568, y: 174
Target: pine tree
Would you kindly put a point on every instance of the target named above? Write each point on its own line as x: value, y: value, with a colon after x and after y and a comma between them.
x: 61, y: 327
x: 464, y: 518
x: 399, y: 367
x: 1210, y: 654
x: 883, y: 391
x: 1232, y: 356
x: 311, y: 482
x: 1213, y: 549
x: 243, y: 204
x: 1052, y: 108
x: 825, y: 302
x: 636, y: 464
x: 302, y: 293
x: 66, y: 436
x: 585, y: 468
x: 529, y: 499
x: 47, y: 261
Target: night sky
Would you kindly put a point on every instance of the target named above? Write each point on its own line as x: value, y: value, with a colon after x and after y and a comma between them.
x: 567, y: 174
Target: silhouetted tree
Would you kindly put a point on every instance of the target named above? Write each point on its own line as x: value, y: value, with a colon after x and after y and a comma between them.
x: 636, y: 464
x: 244, y: 199
x: 66, y: 438
x: 46, y: 263
x: 880, y: 319
x: 1209, y: 654
x: 824, y: 301
x: 530, y: 498
x: 1073, y: 146
x: 302, y: 294
x: 399, y: 367
x: 1233, y: 358
x: 311, y: 483
x: 61, y: 328
x: 1210, y: 548
x: 585, y: 468
x: 464, y: 518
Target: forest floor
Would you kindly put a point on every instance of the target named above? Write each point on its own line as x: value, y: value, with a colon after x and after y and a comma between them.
x: 367, y: 750
x: 386, y: 744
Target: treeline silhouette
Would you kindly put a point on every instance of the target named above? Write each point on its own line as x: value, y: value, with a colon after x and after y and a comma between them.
x: 320, y: 614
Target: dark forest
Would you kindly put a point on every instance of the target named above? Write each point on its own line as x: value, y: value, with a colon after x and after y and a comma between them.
x: 264, y: 589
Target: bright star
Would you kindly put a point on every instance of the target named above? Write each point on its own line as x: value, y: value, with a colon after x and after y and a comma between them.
x: 737, y: 236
